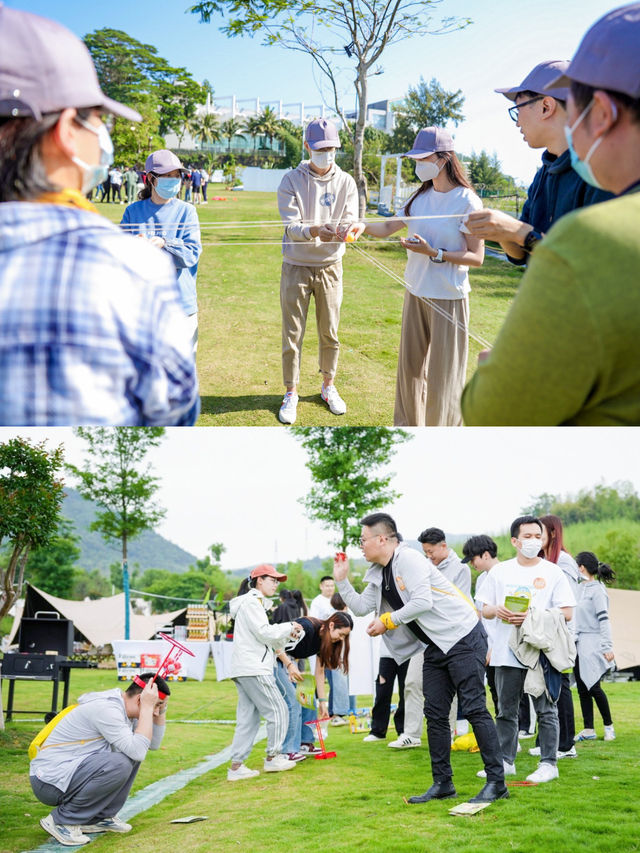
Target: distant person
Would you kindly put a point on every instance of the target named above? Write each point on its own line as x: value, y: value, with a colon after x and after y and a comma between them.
x: 196, y: 184
x: 115, y: 176
x: 131, y: 184
x: 321, y: 607
x: 205, y: 182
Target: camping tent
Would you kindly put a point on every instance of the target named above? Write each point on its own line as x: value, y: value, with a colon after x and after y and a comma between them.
x: 97, y: 622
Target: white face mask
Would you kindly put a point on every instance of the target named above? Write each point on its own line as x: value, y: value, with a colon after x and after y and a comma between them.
x: 530, y: 548
x: 322, y: 159
x: 426, y: 170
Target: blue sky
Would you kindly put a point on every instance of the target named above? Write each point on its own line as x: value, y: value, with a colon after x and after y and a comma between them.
x: 507, y: 38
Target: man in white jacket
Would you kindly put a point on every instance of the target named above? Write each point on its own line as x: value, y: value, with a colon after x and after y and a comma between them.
x: 87, y: 764
x: 252, y: 665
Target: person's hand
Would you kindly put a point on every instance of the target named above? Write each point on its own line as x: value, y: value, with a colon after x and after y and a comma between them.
x: 350, y: 233
x: 496, y: 225
x: 340, y: 569
x: 323, y: 709
x: 294, y: 673
x: 608, y: 656
x: 483, y: 355
x: 376, y: 628
x: 418, y: 244
x: 160, y: 242
x: 149, y: 696
x: 160, y: 708
x: 296, y: 630
x: 509, y: 616
x: 327, y: 233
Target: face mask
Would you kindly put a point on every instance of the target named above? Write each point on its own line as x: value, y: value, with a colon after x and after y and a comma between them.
x: 168, y: 187
x: 530, y: 548
x: 95, y: 175
x: 427, y: 171
x: 582, y: 167
x: 322, y: 159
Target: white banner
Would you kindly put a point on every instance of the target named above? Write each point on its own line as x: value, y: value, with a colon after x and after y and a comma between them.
x: 135, y: 656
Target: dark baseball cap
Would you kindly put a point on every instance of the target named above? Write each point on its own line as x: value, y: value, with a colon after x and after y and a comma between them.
x: 45, y: 68
x: 538, y: 79
x: 609, y: 54
x: 322, y: 133
x: 428, y: 141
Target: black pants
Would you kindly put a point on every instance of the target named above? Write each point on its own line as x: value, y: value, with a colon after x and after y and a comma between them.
x: 586, y: 700
x: 491, y: 681
x: 461, y: 671
x: 387, y: 673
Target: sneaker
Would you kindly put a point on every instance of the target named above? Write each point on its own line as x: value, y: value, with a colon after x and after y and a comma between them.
x: 70, y: 836
x: 242, y: 772
x: 535, y: 750
x: 585, y: 734
x: 370, y: 738
x: 519, y: 749
x: 335, y: 402
x: 509, y: 770
x: 296, y: 756
x: 405, y: 742
x: 310, y: 749
x: 107, y: 824
x: 609, y: 733
x: 545, y: 773
x: 338, y: 721
x: 523, y: 735
x: 278, y: 763
x: 288, y: 413
x: 567, y: 753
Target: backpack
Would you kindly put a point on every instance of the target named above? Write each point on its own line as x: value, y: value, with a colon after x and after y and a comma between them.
x: 36, y: 744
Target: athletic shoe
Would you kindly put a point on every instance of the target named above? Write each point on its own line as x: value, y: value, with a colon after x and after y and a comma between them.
x: 335, y: 402
x: 405, y: 742
x: 585, y: 734
x: 509, y: 770
x: 523, y: 735
x: 278, y: 763
x: 108, y: 824
x: 288, y: 413
x: 70, y: 836
x: 310, y: 749
x: 370, y: 738
x: 609, y: 733
x: 567, y: 753
x: 338, y: 721
x: 519, y: 749
x: 545, y: 773
x: 296, y: 756
x: 242, y: 772
x: 535, y: 750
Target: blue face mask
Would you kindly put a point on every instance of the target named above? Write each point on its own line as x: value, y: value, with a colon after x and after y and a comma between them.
x: 168, y: 187
x: 95, y: 175
x: 582, y: 167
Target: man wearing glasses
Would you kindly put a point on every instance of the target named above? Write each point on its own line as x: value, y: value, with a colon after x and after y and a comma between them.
x: 556, y: 189
x: 417, y: 607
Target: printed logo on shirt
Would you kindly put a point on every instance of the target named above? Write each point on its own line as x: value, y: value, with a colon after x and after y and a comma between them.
x: 539, y: 583
x: 327, y: 199
x: 400, y: 582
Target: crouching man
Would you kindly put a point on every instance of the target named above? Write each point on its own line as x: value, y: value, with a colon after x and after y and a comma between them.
x: 85, y: 766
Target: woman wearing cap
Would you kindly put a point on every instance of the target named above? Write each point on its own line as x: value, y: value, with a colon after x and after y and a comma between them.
x: 434, y: 338
x: 171, y: 225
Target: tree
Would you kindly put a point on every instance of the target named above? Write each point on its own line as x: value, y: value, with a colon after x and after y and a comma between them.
x: 342, y: 462
x: 268, y: 124
x: 362, y: 29
x: 252, y: 126
x: 230, y: 128
x: 30, y: 500
x: 52, y: 567
x: 206, y: 129
x: 91, y: 585
x: 485, y: 173
x: 428, y: 105
x: 113, y: 477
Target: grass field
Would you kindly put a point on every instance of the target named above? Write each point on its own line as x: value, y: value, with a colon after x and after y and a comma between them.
x: 353, y: 802
x: 239, y: 321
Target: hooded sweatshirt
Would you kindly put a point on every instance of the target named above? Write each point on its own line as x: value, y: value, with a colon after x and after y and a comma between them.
x: 306, y: 198
x: 254, y: 639
x: 98, y: 724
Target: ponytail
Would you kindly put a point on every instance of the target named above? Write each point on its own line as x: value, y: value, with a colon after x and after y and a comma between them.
x: 602, y: 571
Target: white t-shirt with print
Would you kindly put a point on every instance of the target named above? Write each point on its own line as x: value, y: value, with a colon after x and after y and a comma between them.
x: 423, y: 277
x: 544, y: 584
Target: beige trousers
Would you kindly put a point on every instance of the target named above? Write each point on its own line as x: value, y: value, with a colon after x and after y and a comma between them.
x: 432, y: 362
x: 297, y: 285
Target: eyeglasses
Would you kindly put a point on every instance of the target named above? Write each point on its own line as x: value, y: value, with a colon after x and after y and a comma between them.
x: 390, y: 536
x: 513, y: 111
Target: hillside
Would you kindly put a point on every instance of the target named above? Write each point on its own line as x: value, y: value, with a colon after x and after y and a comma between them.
x: 149, y: 550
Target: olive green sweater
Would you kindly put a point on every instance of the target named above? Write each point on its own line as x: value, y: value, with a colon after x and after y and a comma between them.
x: 569, y: 349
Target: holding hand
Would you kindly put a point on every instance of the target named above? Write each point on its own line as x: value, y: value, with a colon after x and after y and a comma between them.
x: 495, y: 225
x: 418, y: 244
x: 376, y: 628
x: 509, y: 616
x: 160, y: 242
x: 149, y: 695
x: 350, y: 233
x: 340, y: 567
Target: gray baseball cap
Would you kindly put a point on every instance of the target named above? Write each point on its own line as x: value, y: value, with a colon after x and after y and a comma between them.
x: 538, y: 81
x: 322, y: 133
x: 609, y: 54
x: 163, y: 161
x: 428, y: 141
x: 45, y: 68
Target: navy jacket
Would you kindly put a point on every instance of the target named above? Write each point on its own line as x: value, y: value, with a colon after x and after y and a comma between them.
x: 556, y: 189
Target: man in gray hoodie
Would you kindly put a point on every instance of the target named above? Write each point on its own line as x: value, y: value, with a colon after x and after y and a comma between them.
x: 86, y: 765
x: 318, y: 204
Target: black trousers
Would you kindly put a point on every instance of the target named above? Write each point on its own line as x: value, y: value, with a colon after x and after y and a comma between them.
x: 586, y: 700
x: 387, y: 673
x: 461, y: 671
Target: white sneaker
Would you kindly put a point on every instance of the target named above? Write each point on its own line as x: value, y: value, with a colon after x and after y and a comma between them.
x: 535, y: 750
x: 569, y: 753
x: 585, y: 734
x: 370, y: 738
x: 523, y: 734
x: 405, y: 742
x: 288, y: 409
x: 509, y: 770
x: 609, y: 733
x: 107, y: 824
x: 338, y: 721
x: 242, y: 772
x: 519, y: 749
x: 545, y: 773
x: 278, y: 763
x: 70, y: 836
x: 331, y: 397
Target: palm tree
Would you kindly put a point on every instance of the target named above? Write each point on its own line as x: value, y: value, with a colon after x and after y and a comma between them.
x: 206, y: 128
x: 268, y: 124
x: 230, y: 128
x: 253, y: 128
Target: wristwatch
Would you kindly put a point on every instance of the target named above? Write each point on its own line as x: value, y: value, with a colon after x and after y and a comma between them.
x: 531, y: 239
x: 438, y: 259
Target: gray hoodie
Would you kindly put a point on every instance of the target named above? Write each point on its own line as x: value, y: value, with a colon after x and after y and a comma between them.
x: 306, y: 198
x: 98, y: 724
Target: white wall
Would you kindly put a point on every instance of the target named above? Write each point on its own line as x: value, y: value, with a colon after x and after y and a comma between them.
x: 261, y: 180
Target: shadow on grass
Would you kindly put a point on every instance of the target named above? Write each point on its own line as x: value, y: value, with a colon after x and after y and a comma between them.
x: 269, y: 403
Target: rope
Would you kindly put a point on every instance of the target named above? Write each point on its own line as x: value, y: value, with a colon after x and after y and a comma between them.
x: 277, y: 223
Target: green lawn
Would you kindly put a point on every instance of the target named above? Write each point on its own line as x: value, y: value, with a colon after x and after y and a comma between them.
x: 239, y: 321
x: 352, y: 802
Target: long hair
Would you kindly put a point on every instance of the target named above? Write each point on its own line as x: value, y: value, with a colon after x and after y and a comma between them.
x: 297, y: 594
x: 555, y: 544
x: 590, y: 562
x: 454, y: 171
x: 333, y: 655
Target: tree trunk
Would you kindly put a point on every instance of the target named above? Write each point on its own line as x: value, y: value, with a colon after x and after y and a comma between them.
x: 358, y: 144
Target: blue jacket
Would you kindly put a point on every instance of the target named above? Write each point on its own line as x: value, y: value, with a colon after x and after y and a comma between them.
x: 556, y: 189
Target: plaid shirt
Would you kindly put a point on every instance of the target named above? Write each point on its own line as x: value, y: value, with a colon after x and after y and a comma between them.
x: 91, y: 329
